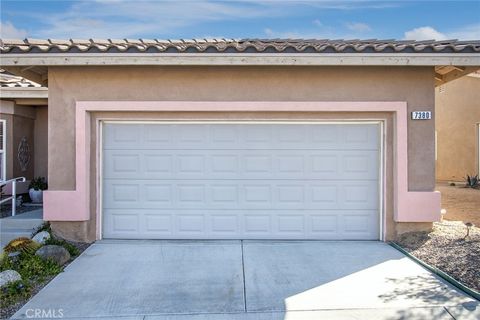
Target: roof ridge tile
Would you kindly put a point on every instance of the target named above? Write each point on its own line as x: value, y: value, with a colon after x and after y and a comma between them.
x: 238, y: 45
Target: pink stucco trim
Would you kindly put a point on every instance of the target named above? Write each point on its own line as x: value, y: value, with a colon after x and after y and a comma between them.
x: 75, y: 205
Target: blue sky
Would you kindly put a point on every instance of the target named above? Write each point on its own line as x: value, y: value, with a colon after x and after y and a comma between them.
x: 64, y: 19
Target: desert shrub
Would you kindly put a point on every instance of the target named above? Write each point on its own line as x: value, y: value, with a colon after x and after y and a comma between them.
x: 14, y: 291
x: 31, y: 267
x: 22, y: 244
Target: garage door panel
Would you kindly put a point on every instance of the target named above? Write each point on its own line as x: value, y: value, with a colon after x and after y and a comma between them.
x: 240, y: 136
x: 254, y: 224
x: 241, y: 181
x: 125, y: 223
x: 241, y: 164
x: 249, y: 194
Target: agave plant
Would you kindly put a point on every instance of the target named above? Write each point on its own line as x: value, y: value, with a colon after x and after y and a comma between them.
x: 472, y: 181
x: 22, y: 244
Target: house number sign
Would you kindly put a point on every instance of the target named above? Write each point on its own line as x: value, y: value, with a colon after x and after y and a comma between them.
x: 421, y: 115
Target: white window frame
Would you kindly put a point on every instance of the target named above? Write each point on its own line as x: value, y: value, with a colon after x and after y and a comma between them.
x: 3, y: 152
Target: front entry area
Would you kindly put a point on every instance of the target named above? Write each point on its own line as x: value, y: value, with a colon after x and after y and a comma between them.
x: 241, y: 180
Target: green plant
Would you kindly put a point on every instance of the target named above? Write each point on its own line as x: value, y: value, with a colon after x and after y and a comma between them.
x: 31, y: 267
x: 472, y: 181
x: 38, y: 183
x: 13, y: 292
x: 6, y: 264
x: 3, y: 256
x: 22, y: 244
x: 60, y: 242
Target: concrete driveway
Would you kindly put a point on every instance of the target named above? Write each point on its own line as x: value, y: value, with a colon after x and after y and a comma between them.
x: 245, y: 280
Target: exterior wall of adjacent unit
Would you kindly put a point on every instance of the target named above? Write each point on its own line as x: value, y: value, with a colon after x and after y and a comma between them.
x: 457, y: 120
x: 29, y: 123
x: 67, y: 86
x: 19, y: 124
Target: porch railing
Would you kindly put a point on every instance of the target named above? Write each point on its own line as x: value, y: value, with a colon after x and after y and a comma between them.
x: 13, y: 196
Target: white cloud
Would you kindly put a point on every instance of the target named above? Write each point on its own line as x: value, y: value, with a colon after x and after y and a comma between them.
x: 470, y: 32
x: 269, y: 32
x: 286, y: 34
x: 9, y: 31
x: 322, y: 31
x: 317, y: 22
x: 130, y: 19
x: 325, y: 32
x: 358, y: 27
x: 424, y: 33
x: 149, y: 18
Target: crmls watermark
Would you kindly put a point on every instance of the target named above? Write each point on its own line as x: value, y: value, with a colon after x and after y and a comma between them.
x: 44, y: 313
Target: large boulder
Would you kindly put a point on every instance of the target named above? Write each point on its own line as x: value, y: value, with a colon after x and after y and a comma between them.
x: 9, y: 276
x: 58, y: 254
x: 41, y: 237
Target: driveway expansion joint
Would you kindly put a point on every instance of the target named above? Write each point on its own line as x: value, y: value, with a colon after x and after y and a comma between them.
x: 243, y: 278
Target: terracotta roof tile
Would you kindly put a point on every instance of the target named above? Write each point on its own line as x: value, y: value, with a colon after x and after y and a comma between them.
x: 8, y: 80
x: 237, y: 46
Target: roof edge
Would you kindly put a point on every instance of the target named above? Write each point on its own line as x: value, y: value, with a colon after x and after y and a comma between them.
x: 241, y: 59
x: 24, y: 93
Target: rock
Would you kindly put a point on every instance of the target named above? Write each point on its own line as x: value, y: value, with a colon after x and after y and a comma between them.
x: 41, y: 237
x: 14, y: 256
x: 56, y: 253
x: 9, y: 276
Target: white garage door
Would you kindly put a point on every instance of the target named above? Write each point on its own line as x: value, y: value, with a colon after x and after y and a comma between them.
x: 241, y: 181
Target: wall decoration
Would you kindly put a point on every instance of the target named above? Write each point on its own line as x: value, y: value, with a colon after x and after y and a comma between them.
x: 23, y: 154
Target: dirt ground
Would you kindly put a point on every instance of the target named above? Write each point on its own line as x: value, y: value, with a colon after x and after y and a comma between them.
x: 447, y: 249
x: 462, y: 204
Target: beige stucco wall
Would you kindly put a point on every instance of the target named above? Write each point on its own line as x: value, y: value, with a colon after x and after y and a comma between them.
x: 41, y: 142
x: 457, y: 119
x: 20, y: 123
x: 68, y: 85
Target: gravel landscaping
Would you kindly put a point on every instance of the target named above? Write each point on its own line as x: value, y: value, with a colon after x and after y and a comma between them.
x: 36, y: 273
x: 447, y: 249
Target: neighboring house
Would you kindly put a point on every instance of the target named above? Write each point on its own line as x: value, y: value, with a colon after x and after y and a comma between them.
x: 457, y: 119
x: 23, y: 129
x: 240, y: 139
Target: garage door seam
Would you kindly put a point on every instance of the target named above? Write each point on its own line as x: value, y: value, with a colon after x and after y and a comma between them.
x: 243, y: 275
